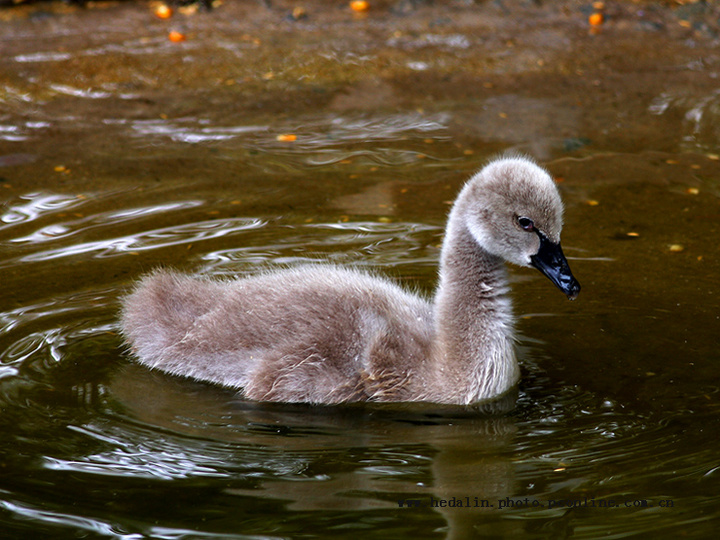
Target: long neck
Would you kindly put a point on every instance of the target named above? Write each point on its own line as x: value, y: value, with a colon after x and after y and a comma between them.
x: 474, y: 357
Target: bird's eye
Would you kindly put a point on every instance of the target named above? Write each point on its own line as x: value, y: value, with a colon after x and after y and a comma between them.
x: 526, y: 224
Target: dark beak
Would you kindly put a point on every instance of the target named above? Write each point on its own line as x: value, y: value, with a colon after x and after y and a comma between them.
x: 551, y: 261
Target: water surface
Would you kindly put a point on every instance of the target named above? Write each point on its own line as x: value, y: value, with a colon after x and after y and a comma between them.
x: 120, y: 151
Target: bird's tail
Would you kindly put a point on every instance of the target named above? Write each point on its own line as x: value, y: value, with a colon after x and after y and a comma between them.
x: 160, y: 311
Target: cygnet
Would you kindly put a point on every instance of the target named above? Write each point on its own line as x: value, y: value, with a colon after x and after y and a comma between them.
x: 325, y: 334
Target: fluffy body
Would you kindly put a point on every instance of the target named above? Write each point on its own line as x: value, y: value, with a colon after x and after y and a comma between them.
x: 324, y: 334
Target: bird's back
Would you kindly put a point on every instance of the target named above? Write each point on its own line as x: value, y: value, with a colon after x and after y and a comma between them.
x: 314, y: 333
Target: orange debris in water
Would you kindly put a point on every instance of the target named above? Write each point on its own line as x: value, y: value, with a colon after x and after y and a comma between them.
x: 287, y: 137
x: 163, y: 11
x: 359, y: 5
x: 176, y: 37
x: 596, y: 19
x: 298, y: 13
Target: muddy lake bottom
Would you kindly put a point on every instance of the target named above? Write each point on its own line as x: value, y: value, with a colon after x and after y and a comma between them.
x: 271, y: 137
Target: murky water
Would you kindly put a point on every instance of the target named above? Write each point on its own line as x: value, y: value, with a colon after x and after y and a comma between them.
x: 121, y: 151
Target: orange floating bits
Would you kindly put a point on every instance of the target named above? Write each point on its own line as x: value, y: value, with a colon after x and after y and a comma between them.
x: 176, y: 37
x: 359, y: 5
x: 596, y: 19
x: 286, y: 137
x: 163, y: 11
x: 298, y: 13
x: 190, y: 9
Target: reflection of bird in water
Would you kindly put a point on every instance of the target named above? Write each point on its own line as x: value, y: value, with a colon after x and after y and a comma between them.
x: 353, y: 458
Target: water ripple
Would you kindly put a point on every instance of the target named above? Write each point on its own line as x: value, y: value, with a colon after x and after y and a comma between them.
x: 44, y: 516
x: 147, y: 240
x: 359, y: 243
x: 312, y: 132
x: 37, y: 205
x: 67, y: 228
x: 191, y: 133
x: 150, y: 460
x: 135, y: 452
x: 701, y: 116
